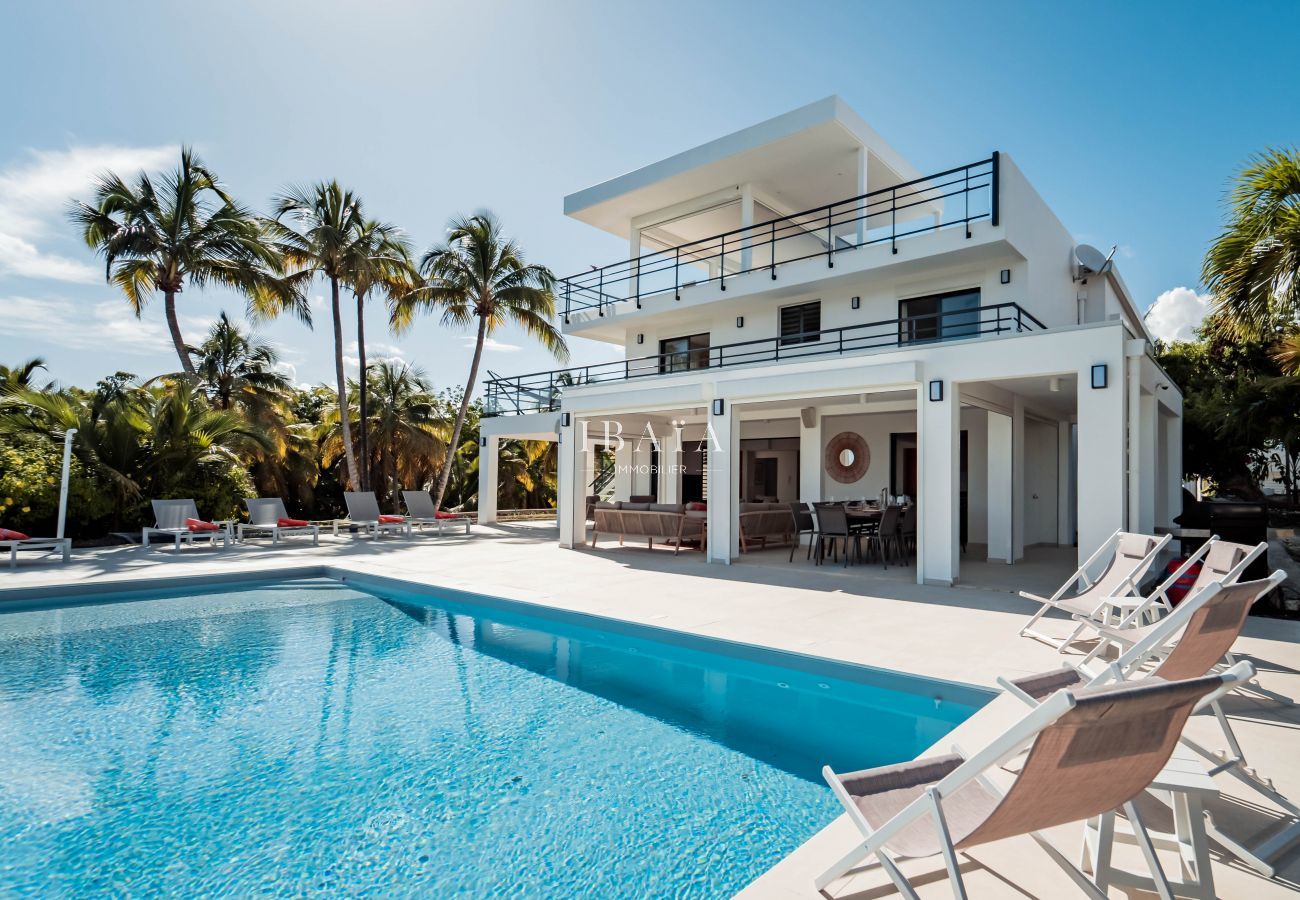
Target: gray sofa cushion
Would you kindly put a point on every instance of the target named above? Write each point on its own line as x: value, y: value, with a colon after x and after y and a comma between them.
x: 638, y: 507
x: 667, y: 507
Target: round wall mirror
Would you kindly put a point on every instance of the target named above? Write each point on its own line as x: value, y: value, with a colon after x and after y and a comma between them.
x: 847, y: 457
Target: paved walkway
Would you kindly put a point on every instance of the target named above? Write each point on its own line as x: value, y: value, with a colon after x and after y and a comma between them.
x: 878, y: 618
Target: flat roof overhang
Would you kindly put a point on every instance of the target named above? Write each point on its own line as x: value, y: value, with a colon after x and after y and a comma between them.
x: 796, y: 161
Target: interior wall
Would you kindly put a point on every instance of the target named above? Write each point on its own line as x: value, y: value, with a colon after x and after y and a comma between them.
x: 787, y: 473
x: 875, y: 429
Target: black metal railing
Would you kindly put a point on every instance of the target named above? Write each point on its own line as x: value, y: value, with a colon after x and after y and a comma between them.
x: 956, y: 197
x: 542, y: 391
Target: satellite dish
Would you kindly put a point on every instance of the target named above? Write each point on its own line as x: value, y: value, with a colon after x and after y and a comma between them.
x: 1089, y: 261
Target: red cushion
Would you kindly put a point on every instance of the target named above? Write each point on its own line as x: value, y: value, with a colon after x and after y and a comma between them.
x: 292, y: 523
x: 392, y: 520
x: 201, y: 526
x: 446, y: 515
x: 697, y: 507
x: 10, y: 535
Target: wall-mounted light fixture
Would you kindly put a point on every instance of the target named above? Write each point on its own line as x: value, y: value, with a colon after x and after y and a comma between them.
x: 482, y: 442
x: 1099, y: 376
x: 855, y: 302
x: 718, y: 406
x: 1006, y: 276
x: 566, y: 419
x: 740, y: 321
x: 936, y: 391
x: 640, y: 338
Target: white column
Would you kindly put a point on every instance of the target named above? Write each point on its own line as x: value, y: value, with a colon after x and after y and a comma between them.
x: 1000, y: 496
x: 939, y: 453
x: 624, y: 463
x: 1100, y: 485
x: 1173, y: 467
x: 1132, y: 383
x: 810, y: 456
x: 1019, y: 507
x: 633, y: 252
x: 746, y: 220
x: 1148, y: 413
x: 1064, y: 486
x: 724, y: 487
x: 863, y: 162
x: 570, y: 494
x: 488, y: 455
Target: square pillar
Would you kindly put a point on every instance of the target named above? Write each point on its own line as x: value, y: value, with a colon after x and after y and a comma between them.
x: 724, y: 486
x: 1173, y: 467
x: 634, y: 253
x: 810, y: 455
x: 746, y: 220
x: 1132, y: 383
x: 488, y: 457
x: 863, y: 161
x: 624, y: 468
x: 1064, y: 484
x: 571, y: 493
x: 1019, y: 506
x: 939, y: 451
x: 1100, y: 485
x: 1148, y: 415
x: 1000, y: 495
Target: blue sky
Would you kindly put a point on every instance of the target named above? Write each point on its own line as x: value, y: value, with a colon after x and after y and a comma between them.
x: 1129, y: 118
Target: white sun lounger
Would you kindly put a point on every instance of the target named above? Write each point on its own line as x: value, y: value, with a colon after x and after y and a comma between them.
x: 264, y: 515
x: 48, y: 545
x: 1130, y: 555
x: 363, y: 512
x: 1090, y: 753
x: 421, y: 512
x: 169, y: 521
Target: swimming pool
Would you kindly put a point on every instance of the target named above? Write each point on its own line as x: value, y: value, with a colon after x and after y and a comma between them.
x: 322, y: 737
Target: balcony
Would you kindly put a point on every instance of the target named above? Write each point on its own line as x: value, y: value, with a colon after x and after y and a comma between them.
x: 951, y: 199
x: 543, y: 391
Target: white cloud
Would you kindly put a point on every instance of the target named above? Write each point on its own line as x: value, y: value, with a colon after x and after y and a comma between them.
x: 86, y: 326
x: 1177, y: 313
x: 493, y: 344
x: 34, y: 196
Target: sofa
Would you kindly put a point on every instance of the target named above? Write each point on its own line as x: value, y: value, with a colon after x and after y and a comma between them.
x: 761, y: 522
x: 670, y: 522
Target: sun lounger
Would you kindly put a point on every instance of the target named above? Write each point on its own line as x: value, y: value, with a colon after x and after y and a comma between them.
x: 267, y: 515
x: 1130, y: 555
x: 1191, y: 641
x: 421, y: 511
x: 13, y: 541
x: 363, y: 512
x: 179, y: 520
x: 1091, y: 752
x: 1222, y: 562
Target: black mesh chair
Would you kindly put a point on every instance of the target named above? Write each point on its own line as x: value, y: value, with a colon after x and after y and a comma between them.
x: 833, y: 526
x: 804, y: 524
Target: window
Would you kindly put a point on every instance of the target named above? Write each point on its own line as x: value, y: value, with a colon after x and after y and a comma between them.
x: 800, y: 324
x: 939, y: 317
x: 682, y: 353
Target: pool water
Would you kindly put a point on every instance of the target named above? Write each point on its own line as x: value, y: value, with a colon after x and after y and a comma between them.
x: 316, y: 737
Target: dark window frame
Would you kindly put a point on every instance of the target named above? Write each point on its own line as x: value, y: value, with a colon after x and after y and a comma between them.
x: 804, y: 335
x: 694, y: 356
x: 920, y: 328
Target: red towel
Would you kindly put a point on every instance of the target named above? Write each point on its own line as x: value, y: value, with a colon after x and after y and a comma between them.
x: 392, y: 520
x: 446, y: 515
x: 292, y: 523
x: 10, y: 535
x: 200, y: 526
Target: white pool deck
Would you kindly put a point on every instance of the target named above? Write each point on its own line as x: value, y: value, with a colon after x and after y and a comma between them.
x: 861, y: 614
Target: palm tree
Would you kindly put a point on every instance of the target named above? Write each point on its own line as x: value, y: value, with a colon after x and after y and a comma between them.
x: 185, y: 228
x: 328, y: 241
x: 1253, y: 267
x: 382, y: 262
x: 21, y: 375
x: 479, y: 277
x: 238, y: 369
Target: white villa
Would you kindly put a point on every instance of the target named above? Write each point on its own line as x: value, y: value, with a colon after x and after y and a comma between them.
x: 806, y: 316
